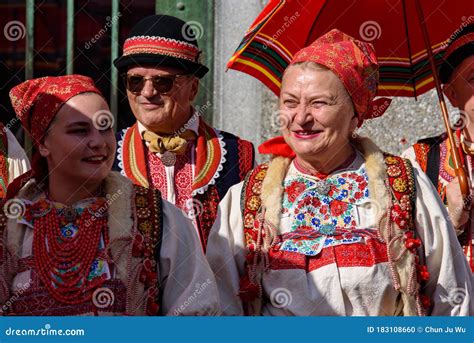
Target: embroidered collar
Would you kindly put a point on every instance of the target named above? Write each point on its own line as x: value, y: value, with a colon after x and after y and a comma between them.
x: 350, y: 163
x: 210, y: 157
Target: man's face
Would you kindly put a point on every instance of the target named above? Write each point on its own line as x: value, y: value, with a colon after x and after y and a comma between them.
x: 460, y: 89
x: 163, y: 113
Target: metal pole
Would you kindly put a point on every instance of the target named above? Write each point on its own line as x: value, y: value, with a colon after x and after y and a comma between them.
x: 458, y: 167
x: 114, y: 47
x: 70, y: 38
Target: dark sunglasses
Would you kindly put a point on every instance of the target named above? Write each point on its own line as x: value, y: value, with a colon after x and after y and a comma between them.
x: 162, y: 84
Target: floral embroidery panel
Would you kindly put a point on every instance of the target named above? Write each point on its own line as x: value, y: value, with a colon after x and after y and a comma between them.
x: 323, y: 211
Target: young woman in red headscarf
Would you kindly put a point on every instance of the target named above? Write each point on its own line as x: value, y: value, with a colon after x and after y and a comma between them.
x: 79, y: 239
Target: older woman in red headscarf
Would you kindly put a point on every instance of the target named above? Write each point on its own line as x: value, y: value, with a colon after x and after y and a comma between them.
x: 79, y: 239
x: 332, y: 225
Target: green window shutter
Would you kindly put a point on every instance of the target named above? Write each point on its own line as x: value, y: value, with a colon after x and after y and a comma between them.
x: 200, y: 16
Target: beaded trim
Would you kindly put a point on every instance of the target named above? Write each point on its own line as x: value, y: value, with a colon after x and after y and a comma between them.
x: 3, y: 162
x: 401, y: 183
x: 421, y: 153
x: 147, y: 242
x: 161, y: 46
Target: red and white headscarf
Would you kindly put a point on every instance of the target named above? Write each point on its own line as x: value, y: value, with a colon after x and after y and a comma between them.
x: 355, y: 64
x: 36, y: 102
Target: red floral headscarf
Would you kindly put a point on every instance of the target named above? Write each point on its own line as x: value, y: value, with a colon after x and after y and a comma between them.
x: 355, y: 64
x: 37, y: 101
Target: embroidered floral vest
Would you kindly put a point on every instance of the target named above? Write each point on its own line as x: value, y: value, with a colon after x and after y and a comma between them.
x: 402, y: 191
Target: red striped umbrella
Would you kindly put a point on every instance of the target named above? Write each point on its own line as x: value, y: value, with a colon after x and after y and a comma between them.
x: 286, y: 26
x: 398, y: 29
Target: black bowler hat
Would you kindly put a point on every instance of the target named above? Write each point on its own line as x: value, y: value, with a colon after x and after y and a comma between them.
x: 162, y: 40
x: 459, y: 48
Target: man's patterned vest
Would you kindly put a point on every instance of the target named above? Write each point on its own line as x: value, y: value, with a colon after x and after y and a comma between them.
x: 222, y: 160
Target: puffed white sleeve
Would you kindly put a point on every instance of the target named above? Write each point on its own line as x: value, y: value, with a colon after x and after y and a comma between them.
x: 187, y: 282
x: 226, y: 251
x: 450, y: 282
x: 18, y: 162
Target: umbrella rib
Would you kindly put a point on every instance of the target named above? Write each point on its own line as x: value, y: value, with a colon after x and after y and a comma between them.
x: 407, y: 32
x: 314, y: 23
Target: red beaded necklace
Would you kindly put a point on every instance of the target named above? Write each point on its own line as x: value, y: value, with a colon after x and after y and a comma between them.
x: 63, y: 263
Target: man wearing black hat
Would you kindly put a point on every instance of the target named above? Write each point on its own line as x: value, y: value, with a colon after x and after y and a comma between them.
x: 171, y: 147
x: 432, y: 155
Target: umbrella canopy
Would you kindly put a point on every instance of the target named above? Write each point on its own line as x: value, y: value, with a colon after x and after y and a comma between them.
x: 286, y: 26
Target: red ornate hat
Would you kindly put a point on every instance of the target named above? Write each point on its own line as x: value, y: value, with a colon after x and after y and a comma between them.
x: 37, y: 101
x: 163, y: 40
x: 461, y: 46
